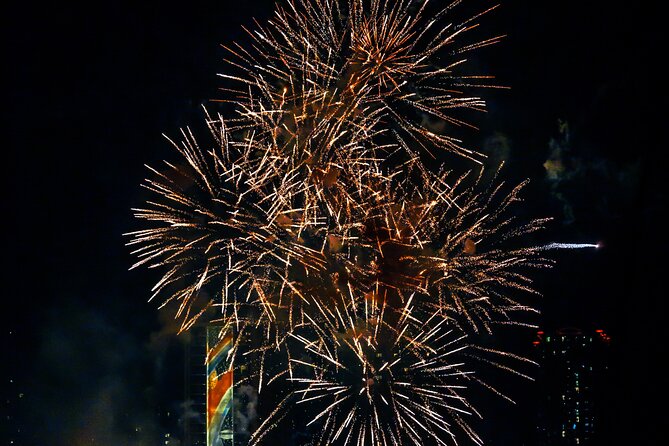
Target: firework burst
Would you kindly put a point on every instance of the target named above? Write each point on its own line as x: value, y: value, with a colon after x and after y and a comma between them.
x: 325, y: 75
x: 374, y: 383
x: 310, y: 223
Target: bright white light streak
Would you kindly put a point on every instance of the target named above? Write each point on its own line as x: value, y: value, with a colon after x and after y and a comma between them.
x: 569, y: 246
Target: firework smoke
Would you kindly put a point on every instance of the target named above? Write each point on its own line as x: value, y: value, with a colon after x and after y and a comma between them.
x: 310, y: 222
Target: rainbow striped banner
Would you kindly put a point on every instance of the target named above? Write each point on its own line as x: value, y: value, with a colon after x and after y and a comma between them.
x: 219, y: 387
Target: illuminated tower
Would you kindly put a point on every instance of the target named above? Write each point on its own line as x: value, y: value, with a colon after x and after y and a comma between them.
x: 220, y: 400
x: 219, y: 414
x: 573, y: 369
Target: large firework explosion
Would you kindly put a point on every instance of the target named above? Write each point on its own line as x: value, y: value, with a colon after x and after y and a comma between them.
x: 312, y: 223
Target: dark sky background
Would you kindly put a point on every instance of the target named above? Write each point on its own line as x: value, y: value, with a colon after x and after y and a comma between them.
x: 91, y: 89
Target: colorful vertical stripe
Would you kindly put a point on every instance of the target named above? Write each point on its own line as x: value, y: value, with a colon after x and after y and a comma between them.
x: 219, y: 387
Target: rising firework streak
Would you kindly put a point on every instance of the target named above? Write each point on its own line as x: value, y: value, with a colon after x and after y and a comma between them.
x: 571, y: 246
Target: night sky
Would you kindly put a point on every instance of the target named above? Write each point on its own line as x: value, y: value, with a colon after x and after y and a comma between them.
x: 88, y: 361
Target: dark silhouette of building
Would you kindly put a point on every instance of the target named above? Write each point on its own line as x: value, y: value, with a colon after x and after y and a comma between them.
x: 574, y: 366
x: 195, y: 425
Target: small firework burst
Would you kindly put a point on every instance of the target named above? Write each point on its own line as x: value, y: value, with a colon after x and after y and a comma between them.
x: 374, y: 374
x: 380, y: 383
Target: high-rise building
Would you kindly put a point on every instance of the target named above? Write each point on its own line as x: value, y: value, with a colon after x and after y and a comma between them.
x: 221, y: 404
x: 574, y: 366
x: 195, y: 405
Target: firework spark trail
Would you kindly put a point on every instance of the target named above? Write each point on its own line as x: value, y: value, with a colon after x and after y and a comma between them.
x: 569, y: 246
x: 310, y: 223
